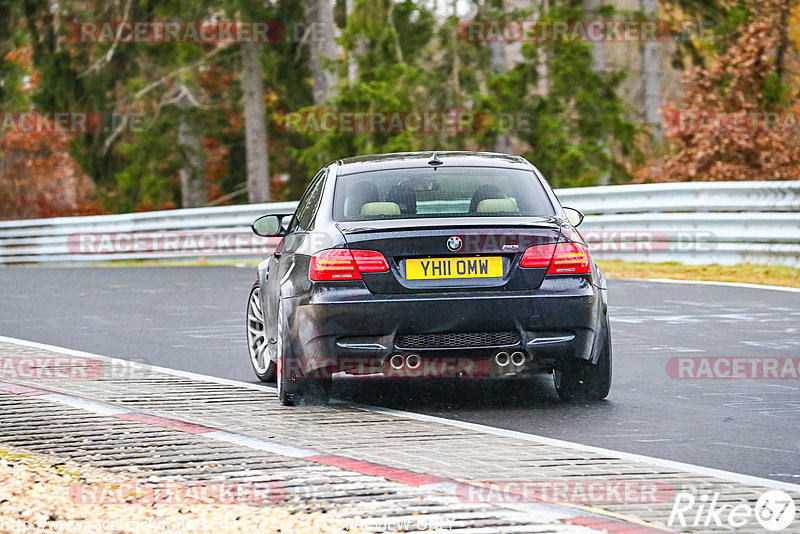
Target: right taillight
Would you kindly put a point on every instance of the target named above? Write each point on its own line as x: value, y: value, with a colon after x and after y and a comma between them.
x: 570, y: 258
x: 561, y: 258
x: 345, y: 264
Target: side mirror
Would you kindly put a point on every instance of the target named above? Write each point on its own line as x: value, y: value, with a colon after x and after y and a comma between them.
x: 575, y: 217
x: 268, y: 226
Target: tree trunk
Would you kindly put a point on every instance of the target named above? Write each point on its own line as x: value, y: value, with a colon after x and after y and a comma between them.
x: 783, y: 43
x: 255, y: 124
x: 456, y: 72
x: 321, y: 46
x: 651, y: 76
x: 598, y: 47
x: 194, y: 193
x: 352, y: 64
x: 543, y: 69
x: 498, y: 64
x: 599, y: 66
x: 359, y: 49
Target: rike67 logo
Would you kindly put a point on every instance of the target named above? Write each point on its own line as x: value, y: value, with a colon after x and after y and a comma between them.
x: 774, y: 511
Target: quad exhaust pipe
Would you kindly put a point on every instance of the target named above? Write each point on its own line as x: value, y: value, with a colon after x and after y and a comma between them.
x: 502, y: 359
x: 413, y: 361
x: 398, y: 361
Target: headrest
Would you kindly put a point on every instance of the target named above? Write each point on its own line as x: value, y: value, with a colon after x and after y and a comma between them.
x: 497, y: 205
x: 359, y: 194
x: 372, y: 209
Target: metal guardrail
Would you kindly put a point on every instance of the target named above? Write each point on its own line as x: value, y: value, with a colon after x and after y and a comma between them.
x: 697, y: 222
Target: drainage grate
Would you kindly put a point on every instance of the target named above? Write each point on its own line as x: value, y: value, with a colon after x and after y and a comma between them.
x: 456, y: 339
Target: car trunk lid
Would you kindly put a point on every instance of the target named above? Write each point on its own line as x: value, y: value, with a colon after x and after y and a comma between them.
x: 423, y: 254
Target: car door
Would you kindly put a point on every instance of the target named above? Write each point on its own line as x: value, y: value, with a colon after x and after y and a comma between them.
x: 283, y: 258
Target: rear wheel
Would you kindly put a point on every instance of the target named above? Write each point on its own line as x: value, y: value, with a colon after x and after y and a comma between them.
x: 257, y: 341
x: 580, y: 380
x: 293, y: 388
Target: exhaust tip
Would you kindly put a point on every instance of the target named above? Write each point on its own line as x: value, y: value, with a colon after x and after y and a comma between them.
x: 518, y: 359
x: 413, y: 361
x: 397, y: 361
x: 502, y: 359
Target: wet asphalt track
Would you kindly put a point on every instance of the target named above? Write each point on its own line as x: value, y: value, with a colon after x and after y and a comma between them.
x: 193, y: 319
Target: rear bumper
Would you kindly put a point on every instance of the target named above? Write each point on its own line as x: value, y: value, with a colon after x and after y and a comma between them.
x: 351, y: 329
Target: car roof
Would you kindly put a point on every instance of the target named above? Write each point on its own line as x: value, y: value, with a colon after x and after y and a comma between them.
x: 409, y: 160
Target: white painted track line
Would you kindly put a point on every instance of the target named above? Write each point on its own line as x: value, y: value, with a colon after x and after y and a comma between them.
x: 679, y: 466
x: 690, y: 468
x: 715, y: 283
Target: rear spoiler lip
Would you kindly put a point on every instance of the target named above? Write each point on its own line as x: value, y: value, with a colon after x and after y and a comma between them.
x: 388, y: 225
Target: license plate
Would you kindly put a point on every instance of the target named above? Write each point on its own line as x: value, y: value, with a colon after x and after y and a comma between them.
x: 438, y: 268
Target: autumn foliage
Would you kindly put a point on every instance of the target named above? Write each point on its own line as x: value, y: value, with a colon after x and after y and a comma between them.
x: 39, y: 177
x: 735, y: 121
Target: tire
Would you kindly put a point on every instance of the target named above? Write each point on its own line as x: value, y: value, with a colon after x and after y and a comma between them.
x: 257, y: 341
x: 580, y: 380
x: 293, y: 389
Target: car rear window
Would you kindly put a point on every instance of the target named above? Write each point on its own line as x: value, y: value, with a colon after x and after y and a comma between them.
x: 445, y: 192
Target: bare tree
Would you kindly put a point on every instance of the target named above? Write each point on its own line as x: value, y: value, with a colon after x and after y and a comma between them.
x: 352, y: 64
x: 194, y: 192
x: 255, y: 123
x: 544, y: 58
x: 598, y: 65
x: 456, y: 67
x: 651, y: 76
x: 320, y: 35
x: 498, y: 61
x: 359, y: 49
x: 598, y: 46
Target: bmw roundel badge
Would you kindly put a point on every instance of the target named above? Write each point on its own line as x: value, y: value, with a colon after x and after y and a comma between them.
x: 454, y: 243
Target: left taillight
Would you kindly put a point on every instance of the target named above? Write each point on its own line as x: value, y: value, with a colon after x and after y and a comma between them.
x: 538, y: 257
x: 345, y: 264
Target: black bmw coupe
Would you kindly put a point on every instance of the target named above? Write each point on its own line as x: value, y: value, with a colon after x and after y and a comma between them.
x: 428, y: 265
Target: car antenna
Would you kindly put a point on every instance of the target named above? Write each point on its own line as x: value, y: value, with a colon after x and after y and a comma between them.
x: 435, y: 161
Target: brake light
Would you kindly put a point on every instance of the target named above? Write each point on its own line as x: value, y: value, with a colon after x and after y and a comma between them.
x: 345, y: 264
x: 369, y: 261
x: 538, y: 257
x: 570, y: 258
x: 561, y: 258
